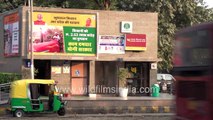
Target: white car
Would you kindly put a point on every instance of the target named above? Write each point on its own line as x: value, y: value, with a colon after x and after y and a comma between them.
x: 166, y: 82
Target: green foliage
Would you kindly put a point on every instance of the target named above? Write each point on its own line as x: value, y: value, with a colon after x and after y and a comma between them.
x: 172, y: 16
x: 86, y: 4
x: 9, y: 77
x: 122, y: 76
x: 83, y: 4
x: 7, y: 5
x: 106, y: 4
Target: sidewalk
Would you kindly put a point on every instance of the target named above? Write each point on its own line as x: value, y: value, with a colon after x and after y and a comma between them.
x: 116, y: 105
x: 163, y: 96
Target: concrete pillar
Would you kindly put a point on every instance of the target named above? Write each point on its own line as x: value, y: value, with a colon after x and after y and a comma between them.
x: 91, y: 75
x: 153, y: 76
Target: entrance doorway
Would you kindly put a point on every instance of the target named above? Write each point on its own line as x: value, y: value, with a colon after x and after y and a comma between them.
x: 79, y: 78
x: 43, y: 67
x: 138, y: 79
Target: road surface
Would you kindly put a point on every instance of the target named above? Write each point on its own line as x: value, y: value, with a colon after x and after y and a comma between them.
x: 95, y: 117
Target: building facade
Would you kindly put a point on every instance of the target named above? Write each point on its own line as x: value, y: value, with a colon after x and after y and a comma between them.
x: 82, y: 49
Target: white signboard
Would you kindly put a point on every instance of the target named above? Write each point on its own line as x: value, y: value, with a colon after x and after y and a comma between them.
x: 111, y: 44
x: 126, y: 27
x: 153, y: 65
x: 15, y: 38
x: 66, y: 68
x: 56, y: 69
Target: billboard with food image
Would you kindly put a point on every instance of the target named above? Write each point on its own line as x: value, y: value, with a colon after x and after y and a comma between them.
x: 63, y: 33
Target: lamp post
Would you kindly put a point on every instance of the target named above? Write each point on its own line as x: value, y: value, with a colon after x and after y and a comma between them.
x: 30, y: 3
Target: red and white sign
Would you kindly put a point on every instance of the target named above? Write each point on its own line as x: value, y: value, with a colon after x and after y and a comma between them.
x: 135, y: 42
x: 11, y: 35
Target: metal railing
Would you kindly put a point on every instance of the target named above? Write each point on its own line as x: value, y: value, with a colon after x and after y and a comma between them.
x: 4, y: 92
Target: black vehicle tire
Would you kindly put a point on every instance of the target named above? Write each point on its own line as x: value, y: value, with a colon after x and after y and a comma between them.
x: 18, y: 113
x: 61, y: 111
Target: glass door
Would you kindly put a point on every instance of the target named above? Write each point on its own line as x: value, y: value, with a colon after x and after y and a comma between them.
x: 138, y: 78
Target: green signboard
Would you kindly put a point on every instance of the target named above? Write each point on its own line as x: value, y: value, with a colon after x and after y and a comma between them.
x: 80, y: 40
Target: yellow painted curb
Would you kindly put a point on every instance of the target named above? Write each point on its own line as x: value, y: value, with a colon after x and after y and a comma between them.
x: 106, y: 109
x: 166, y: 109
x: 131, y: 109
x: 2, y: 111
x: 119, y: 109
x: 143, y: 109
x: 155, y: 108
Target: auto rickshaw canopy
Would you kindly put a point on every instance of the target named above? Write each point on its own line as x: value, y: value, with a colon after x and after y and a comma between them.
x: 19, y: 88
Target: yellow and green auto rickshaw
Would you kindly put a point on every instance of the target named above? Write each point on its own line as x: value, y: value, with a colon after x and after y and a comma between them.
x: 28, y: 96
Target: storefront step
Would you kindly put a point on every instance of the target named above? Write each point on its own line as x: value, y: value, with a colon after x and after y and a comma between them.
x: 104, y: 105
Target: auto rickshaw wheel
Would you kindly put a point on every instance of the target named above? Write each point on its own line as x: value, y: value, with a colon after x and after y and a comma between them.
x: 61, y: 111
x: 18, y: 113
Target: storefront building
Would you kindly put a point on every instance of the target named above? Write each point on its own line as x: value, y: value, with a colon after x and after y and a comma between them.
x: 82, y: 49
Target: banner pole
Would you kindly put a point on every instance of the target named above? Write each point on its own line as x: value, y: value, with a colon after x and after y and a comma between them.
x: 31, y: 40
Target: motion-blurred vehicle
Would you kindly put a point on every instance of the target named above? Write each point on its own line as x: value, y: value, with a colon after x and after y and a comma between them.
x: 193, y: 72
x: 35, y: 96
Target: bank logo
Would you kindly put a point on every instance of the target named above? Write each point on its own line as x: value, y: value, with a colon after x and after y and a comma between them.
x: 126, y: 27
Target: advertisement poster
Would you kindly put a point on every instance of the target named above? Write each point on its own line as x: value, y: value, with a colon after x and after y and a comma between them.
x: 111, y: 44
x: 73, y: 34
x: 56, y: 69
x: 135, y: 42
x: 11, y: 35
x: 66, y: 68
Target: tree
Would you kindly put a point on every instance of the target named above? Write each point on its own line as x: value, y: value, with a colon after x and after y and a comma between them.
x: 83, y: 4
x: 106, y: 4
x: 166, y: 28
x: 7, y: 5
x: 172, y: 16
